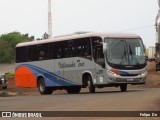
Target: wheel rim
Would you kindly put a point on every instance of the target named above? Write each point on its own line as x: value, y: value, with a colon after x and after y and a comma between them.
x: 89, y: 84
x: 41, y: 87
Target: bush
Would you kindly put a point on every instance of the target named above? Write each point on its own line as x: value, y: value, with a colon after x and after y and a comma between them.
x: 10, y: 75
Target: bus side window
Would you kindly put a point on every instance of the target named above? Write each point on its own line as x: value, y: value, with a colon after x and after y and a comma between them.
x: 46, y: 52
x: 79, y: 48
x: 34, y: 57
x: 49, y: 49
x: 87, y: 47
x: 31, y: 53
x: 82, y: 47
x: 66, y: 52
x: 21, y: 54
x: 60, y: 49
x: 41, y: 55
x: 59, y: 53
x: 53, y: 52
x: 40, y: 52
x: 70, y: 50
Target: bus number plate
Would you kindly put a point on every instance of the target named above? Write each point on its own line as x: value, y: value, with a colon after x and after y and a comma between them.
x: 129, y: 80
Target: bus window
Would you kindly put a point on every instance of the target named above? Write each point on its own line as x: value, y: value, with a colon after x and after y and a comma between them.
x: 70, y: 51
x: 21, y: 54
x: 60, y: 49
x: 32, y: 54
x: 40, y: 53
x: 82, y: 47
x: 52, y: 51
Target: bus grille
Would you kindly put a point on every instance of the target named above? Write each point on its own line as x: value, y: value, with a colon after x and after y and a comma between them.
x: 127, y: 75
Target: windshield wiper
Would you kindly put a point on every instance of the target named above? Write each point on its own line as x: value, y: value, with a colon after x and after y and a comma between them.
x: 131, y: 54
x: 124, y: 55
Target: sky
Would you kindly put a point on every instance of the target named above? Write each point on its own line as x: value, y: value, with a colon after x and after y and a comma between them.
x: 68, y: 16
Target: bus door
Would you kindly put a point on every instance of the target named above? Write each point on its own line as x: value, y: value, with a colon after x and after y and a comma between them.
x: 99, y: 60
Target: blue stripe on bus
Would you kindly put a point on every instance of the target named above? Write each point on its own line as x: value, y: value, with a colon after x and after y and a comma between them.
x: 51, y: 79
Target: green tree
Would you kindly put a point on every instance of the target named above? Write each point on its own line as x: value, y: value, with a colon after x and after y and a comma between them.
x: 5, y: 52
x: 8, y: 43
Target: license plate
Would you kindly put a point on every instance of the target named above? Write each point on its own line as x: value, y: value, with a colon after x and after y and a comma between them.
x: 129, y: 80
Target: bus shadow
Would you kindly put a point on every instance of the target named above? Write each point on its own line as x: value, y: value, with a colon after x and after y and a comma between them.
x: 103, y: 92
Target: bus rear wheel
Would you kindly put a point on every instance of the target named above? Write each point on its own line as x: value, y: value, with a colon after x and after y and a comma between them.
x: 90, y: 85
x: 74, y: 90
x: 123, y: 87
x: 43, y: 90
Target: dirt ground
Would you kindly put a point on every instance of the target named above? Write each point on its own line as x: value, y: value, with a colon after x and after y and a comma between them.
x: 153, y: 81
x: 153, y: 77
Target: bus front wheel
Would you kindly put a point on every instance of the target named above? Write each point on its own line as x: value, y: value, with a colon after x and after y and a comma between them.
x: 123, y: 87
x: 43, y: 89
x: 90, y: 85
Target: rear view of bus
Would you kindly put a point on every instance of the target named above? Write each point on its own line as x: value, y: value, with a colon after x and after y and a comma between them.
x: 81, y: 60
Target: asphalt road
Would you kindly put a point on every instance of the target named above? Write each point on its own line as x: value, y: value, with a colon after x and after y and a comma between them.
x: 109, y: 100
x: 103, y: 100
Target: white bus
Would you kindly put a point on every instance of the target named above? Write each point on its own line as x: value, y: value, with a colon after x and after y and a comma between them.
x: 76, y: 61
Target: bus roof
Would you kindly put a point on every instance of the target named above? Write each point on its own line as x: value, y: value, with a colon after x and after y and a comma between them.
x: 76, y: 36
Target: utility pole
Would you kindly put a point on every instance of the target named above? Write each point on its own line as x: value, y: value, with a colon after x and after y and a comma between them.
x: 157, y: 17
x: 157, y: 45
x: 49, y: 19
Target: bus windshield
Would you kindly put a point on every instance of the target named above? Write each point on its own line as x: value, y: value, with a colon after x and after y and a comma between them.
x: 125, y: 51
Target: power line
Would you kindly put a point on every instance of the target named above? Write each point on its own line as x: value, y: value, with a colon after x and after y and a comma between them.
x: 139, y: 28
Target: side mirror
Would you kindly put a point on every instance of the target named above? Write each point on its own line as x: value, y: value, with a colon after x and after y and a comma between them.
x: 144, y: 48
x: 105, y: 48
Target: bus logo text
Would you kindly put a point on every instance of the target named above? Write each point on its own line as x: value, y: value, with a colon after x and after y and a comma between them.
x: 72, y: 64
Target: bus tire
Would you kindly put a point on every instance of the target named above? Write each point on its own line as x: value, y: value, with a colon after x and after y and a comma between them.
x: 90, y: 85
x: 42, y: 89
x: 123, y: 87
x: 5, y: 87
x: 74, y: 90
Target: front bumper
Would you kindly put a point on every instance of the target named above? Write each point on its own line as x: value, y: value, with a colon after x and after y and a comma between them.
x: 127, y: 80
x: 125, y: 77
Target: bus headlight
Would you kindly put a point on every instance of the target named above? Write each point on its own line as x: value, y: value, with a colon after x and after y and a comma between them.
x: 113, y: 72
x: 143, y: 73
x: 2, y: 76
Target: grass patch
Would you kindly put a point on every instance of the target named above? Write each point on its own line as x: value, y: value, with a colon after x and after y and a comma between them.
x: 10, y: 75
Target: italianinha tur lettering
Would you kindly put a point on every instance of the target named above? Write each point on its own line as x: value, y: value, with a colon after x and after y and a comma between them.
x: 71, y: 64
